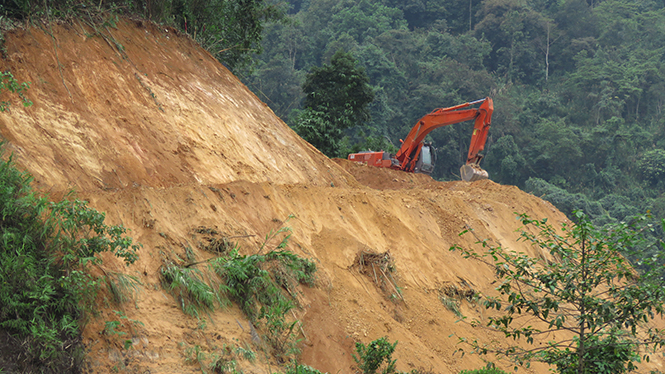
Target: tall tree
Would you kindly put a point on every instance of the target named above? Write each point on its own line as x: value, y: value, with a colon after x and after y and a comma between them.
x: 337, y: 96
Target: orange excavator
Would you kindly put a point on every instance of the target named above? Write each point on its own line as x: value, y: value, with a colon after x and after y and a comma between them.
x: 416, y: 156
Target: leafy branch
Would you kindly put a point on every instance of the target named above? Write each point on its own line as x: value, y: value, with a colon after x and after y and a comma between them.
x: 9, y: 83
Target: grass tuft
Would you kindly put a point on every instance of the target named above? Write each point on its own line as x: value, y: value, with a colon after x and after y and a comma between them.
x: 451, y: 304
x: 122, y: 287
x: 190, y: 289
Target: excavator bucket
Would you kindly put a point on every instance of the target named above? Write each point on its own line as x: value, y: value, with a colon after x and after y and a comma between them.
x: 473, y: 172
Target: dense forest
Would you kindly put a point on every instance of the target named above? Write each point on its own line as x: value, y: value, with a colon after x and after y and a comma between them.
x: 578, y: 87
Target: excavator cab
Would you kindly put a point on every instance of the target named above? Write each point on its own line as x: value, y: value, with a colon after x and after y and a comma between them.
x: 426, y: 160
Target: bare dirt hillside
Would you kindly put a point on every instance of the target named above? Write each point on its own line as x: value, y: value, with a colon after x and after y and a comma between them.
x: 153, y: 131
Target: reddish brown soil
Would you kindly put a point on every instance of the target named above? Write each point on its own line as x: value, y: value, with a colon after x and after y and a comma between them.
x: 204, y: 151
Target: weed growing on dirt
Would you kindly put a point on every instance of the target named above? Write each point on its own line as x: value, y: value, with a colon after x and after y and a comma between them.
x: 9, y: 83
x: 112, y: 328
x: 451, y: 304
x: 222, y: 365
x: 216, y: 360
x: 191, y: 290
x: 263, y: 285
x: 256, y: 283
x: 301, y: 369
x: 376, y: 358
x: 273, y: 233
x: 195, y: 356
x: 246, y: 353
x: 451, y: 297
x: 46, y: 287
x: 483, y: 371
x: 290, y: 268
x: 122, y: 287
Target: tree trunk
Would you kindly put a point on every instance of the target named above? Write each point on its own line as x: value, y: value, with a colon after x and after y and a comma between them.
x: 470, y: 3
x: 547, y: 54
x: 580, y: 349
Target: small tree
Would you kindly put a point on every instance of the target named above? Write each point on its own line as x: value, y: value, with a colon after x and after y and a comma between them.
x: 587, y: 288
x: 376, y: 357
x: 336, y: 98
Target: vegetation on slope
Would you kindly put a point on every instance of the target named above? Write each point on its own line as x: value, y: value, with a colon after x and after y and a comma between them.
x: 263, y: 285
x: 47, y: 251
x: 230, y: 30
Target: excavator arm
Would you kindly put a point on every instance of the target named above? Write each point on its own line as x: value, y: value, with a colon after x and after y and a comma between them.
x: 411, y: 152
x: 411, y: 147
x: 480, y: 130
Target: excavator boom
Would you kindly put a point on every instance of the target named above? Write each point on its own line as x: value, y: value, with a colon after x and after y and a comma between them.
x: 413, y: 156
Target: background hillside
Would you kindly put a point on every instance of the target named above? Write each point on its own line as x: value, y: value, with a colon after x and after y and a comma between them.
x: 577, y: 85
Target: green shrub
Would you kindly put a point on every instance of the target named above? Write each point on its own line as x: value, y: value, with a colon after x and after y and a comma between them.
x: 189, y: 287
x: 301, y: 369
x: 223, y: 365
x: 246, y: 282
x: 46, y: 252
x: 590, y: 290
x: 372, y: 357
x: 256, y: 282
x: 451, y: 304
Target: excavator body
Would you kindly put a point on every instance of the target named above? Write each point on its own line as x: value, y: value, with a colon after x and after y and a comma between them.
x: 379, y: 159
x: 382, y: 159
x: 416, y: 156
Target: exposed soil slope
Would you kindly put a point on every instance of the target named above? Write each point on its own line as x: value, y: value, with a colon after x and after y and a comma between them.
x: 164, y: 139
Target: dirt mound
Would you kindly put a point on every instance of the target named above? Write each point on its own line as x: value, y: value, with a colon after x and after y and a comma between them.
x: 143, y: 106
x: 166, y: 141
x: 385, y: 179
